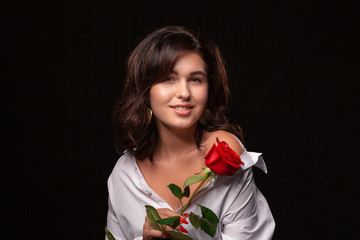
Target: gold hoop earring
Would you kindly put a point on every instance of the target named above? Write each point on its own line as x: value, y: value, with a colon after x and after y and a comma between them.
x: 148, y: 116
x: 205, y: 117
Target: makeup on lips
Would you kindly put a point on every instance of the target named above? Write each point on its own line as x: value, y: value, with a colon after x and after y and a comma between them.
x: 182, y: 109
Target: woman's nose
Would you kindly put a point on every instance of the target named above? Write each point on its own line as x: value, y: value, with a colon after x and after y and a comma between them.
x: 183, y: 90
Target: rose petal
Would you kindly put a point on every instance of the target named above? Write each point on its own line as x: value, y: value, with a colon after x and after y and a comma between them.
x: 222, y: 160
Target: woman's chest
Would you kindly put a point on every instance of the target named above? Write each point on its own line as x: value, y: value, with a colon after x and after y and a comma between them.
x: 159, y: 179
x: 159, y: 182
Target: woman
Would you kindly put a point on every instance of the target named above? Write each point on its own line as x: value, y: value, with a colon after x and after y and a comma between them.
x: 177, y: 80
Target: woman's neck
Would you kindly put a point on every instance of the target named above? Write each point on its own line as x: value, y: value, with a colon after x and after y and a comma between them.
x: 174, y: 144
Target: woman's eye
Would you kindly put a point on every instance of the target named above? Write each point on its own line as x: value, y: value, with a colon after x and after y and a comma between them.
x: 169, y: 79
x: 196, y: 80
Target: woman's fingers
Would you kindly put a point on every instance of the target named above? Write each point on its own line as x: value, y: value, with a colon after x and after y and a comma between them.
x: 182, y: 220
x: 166, y: 212
x: 149, y: 232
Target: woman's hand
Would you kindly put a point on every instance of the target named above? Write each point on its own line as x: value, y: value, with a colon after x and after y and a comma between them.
x: 149, y: 232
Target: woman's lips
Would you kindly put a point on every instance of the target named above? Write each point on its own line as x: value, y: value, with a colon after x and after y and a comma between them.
x: 182, y: 109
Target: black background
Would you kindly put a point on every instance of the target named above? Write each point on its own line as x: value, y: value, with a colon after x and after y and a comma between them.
x: 294, y: 76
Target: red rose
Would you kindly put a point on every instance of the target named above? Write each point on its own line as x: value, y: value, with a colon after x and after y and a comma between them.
x: 222, y: 160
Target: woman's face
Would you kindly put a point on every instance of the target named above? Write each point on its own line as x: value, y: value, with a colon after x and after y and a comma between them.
x: 178, y: 101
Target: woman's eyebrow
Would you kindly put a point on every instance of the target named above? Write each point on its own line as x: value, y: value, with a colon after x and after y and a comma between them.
x: 191, y: 74
x: 198, y: 73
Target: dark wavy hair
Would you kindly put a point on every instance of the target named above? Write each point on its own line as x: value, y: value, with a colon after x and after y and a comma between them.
x: 151, y: 62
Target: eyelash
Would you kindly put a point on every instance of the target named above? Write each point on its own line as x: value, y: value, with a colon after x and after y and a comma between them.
x: 196, y: 80
x: 193, y: 79
x: 169, y: 80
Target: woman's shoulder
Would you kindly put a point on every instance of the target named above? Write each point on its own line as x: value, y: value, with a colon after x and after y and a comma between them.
x: 125, y: 162
x: 233, y: 141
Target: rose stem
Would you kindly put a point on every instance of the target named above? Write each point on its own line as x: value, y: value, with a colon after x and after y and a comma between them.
x: 193, y: 194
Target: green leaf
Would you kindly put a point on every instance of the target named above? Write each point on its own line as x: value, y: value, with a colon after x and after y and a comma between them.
x: 153, y: 217
x: 209, y: 221
x: 177, y: 235
x: 209, y: 215
x: 176, y: 190
x: 108, y: 234
x: 171, y: 221
x: 208, y: 228
x: 205, y: 171
x: 195, y: 220
x: 192, y: 180
x: 186, y: 192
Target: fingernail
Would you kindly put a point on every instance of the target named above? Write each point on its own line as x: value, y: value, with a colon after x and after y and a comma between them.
x: 167, y: 236
x: 183, y: 220
x: 183, y: 230
x: 185, y: 215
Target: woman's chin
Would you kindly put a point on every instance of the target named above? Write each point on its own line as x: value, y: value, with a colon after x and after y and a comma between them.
x: 181, y: 125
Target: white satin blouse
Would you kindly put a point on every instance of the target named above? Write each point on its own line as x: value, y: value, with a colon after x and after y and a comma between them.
x: 242, y: 210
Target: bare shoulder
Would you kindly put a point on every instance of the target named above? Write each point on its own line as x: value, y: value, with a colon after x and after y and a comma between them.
x: 234, y: 142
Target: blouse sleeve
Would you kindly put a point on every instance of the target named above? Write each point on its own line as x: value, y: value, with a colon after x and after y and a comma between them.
x: 116, y: 181
x: 249, y: 217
